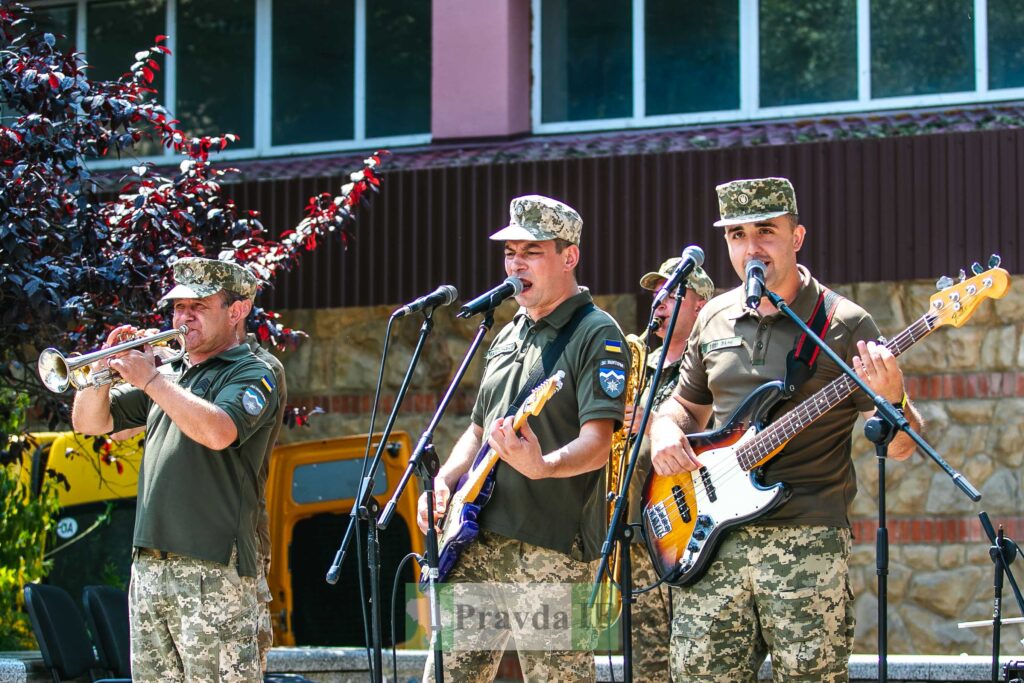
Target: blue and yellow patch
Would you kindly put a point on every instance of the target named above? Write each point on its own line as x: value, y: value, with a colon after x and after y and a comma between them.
x: 612, y: 346
x: 268, y: 383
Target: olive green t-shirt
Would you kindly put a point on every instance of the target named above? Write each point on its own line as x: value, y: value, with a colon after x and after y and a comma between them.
x: 194, y: 500
x: 563, y: 514
x: 733, y: 350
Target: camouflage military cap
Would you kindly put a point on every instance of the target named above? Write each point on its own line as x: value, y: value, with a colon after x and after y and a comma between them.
x: 538, y: 218
x: 196, y: 278
x: 699, y: 281
x: 757, y: 199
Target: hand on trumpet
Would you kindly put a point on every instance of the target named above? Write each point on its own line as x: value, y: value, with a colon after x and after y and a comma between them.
x: 136, y: 366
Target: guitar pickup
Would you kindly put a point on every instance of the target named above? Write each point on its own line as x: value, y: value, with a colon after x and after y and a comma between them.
x: 709, y: 487
x: 657, y: 519
x: 684, y: 509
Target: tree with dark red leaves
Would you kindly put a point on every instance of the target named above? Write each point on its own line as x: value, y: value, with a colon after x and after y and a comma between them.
x: 74, y: 262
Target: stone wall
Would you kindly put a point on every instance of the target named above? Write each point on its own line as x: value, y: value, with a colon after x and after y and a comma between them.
x: 968, y: 382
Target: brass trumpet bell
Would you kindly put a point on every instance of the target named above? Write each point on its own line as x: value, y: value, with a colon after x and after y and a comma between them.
x: 59, y: 372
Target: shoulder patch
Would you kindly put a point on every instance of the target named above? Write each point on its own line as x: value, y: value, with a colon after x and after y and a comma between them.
x: 721, y: 344
x: 613, y: 346
x: 611, y: 377
x: 268, y: 383
x: 253, y: 400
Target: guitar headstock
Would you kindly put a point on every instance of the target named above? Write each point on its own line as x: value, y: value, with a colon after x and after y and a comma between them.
x: 544, y: 391
x: 956, y: 301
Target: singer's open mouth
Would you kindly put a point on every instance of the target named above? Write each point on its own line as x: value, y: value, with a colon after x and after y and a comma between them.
x: 527, y: 285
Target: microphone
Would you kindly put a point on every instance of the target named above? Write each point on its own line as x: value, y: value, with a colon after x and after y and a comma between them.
x: 692, y: 257
x: 755, y: 282
x: 442, y: 296
x: 512, y: 286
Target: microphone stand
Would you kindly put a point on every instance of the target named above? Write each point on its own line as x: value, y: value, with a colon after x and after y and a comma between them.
x: 365, y: 508
x: 620, y: 532
x: 1003, y: 552
x: 892, y: 420
x: 425, y: 464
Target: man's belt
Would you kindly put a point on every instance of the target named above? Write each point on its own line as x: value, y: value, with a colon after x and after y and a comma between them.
x: 154, y: 553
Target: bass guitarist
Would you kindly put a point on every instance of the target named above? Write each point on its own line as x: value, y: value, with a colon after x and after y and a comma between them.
x: 544, y: 523
x: 778, y: 584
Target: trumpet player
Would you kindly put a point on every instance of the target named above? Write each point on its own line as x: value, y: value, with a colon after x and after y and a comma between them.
x: 193, y: 598
x: 651, y: 632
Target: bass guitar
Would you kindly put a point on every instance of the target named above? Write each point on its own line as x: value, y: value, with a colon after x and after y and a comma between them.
x: 459, y: 527
x: 687, y: 515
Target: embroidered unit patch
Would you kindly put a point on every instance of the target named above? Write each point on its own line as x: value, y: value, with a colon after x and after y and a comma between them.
x: 253, y: 401
x: 612, y: 378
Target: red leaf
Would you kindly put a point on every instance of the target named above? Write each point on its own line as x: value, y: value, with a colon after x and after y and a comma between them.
x: 120, y: 467
x: 160, y: 38
x: 148, y: 73
x: 54, y: 82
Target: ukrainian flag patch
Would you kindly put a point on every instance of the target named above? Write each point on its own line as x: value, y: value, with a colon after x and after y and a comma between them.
x: 612, y: 346
x: 268, y: 383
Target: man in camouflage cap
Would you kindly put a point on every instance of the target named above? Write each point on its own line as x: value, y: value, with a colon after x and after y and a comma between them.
x: 651, y: 634
x: 544, y: 524
x: 193, y: 601
x: 779, y: 584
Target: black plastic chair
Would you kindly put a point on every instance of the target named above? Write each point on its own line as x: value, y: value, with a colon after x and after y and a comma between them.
x: 106, y: 609
x: 62, y: 635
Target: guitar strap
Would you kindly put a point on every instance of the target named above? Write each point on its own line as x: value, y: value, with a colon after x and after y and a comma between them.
x: 546, y: 363
x: 800, y: 361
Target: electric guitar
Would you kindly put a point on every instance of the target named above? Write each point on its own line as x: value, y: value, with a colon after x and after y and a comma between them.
x: 460, y: 527
x: 687, y: 515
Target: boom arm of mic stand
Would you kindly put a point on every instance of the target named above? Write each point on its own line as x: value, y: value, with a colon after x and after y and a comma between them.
x: 366, y: 486
x: 425, y: 442
x: 885, y: 409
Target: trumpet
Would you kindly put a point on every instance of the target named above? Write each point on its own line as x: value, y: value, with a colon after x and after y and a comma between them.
x: 58, y: 372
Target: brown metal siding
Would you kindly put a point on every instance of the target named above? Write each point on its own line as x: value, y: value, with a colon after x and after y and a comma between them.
x: 876, y: 209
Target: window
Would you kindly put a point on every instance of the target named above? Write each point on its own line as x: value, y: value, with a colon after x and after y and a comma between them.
x: 630, y: 63
x: 286, y: 76
x: 1006, y: 46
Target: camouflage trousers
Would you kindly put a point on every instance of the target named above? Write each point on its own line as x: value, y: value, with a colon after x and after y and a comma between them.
x: 650, y: 621
x: 778, y: 590
x: 265, y: 627
x: 504, y: 562
x: 192, y: 620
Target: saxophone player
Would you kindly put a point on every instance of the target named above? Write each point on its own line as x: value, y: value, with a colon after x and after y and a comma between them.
x: 651, y: 632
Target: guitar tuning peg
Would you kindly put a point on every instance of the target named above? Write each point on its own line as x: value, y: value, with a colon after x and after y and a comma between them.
x: 963, y: 275
x: 944, y: 282
x: 976, y: 268
x: 994, y: 260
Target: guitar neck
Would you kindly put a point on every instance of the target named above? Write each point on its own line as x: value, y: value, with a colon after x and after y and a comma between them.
x: 769, y: 442
x: 485, y: 461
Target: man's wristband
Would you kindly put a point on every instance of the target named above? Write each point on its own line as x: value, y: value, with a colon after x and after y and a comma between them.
x: 902, y: 407
x: 156, y: 373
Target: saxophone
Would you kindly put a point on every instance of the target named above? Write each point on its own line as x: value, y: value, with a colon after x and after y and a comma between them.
x: 609, y: 597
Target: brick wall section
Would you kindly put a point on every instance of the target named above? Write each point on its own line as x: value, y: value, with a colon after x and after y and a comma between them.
x: 966, y: 385
x: 932, y: 530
